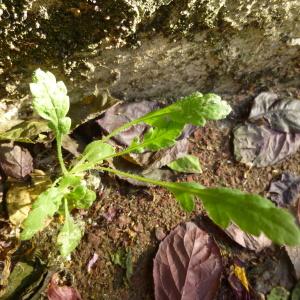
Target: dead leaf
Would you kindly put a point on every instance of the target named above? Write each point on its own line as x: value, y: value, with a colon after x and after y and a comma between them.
x: 261, y: 146
x: 31, y: 131
x: 265, y: 143
x: 125, y: 166
x: 281, y: 114
x: 15, y: 161
x: 156, y: 160
x: 21, y: 195
x: 187, y: 265
x: 1, y: 189
x: 71, y: 145
x: 57, y: 292
x: 239, y: 282
x: 274, y: 270
x: 284, y: 192
x: 90, y: 107
x: 246, y: 240
x: 294, y: 255
x: 18, y: 203
x: 8, y: 245
x: 122, y: 113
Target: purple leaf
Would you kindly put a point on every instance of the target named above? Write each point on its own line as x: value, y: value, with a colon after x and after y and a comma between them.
x: 56, y: 292
x: 274, y: 132
x: 187, y: 266
x: 261, y: 146
x: 123, y: 113
x: 284, y: 192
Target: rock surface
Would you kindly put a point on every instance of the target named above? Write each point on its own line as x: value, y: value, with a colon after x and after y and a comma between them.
x: 149, y: 49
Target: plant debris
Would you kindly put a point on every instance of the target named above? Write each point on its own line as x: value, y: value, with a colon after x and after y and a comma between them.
x: 239, y: 282
x: 294, y: 255
x: 285, y: 191
x: 30, y: 131
x: 61, y: 292
x: 90, y: 107
x: 247, y: 240
x: 123, y: 113
x: 92, y: 261
x: 272, y: 132
x: 15, y: 161
x: 188, y: 265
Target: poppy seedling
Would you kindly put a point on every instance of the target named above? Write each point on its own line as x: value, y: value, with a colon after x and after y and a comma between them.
x: 252, y: 213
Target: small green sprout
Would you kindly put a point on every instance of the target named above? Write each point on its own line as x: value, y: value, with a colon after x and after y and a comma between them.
x: 252, y: 213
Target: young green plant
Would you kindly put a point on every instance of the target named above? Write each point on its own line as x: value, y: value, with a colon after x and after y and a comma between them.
x: 252, y: 213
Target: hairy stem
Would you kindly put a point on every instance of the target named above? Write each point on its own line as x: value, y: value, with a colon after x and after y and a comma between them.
x: 59, y: 153
x: 166, y: 184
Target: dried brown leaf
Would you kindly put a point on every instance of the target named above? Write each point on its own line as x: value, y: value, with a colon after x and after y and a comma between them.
x: 246, y: 240
x: 90, y: 107
x: 15, y: 161
x: 294, y: 255
x: 187, y: 265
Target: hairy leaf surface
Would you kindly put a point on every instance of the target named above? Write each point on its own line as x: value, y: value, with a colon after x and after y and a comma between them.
x: 81, y: 197
x: 194, y: 109
x: 93, y: 154
x: 96, y: 151
x: 50, y: 100
x: 42, y: 211
x: 183, y: 195
x: 252, y: 213
x: 168, y: 122
x: 69, y: 236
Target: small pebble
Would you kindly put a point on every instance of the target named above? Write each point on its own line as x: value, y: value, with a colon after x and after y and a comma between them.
x: 159, y: 234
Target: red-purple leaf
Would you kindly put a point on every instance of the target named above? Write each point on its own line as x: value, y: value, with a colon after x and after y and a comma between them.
x: 56, y: 292
x: 15, y: 161
x: 187, y: 266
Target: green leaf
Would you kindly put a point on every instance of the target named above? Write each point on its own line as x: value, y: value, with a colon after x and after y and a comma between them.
x: 69, y: 236
x: 50, y: 100
x: 169, y: 121
x: 252, y: 213
x: 42, y: 211
x: 278, y: 293
x: 194, y: 109
x: 158, y: 138
x: 186, y: 200
x: 81, y: 197
x: 96, y: 151
x: 187, y: 164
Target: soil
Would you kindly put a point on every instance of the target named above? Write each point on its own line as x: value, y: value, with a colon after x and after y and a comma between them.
x: 129, y: 219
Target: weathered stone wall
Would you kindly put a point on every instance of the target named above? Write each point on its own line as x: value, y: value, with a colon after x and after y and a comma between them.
x: 149, y: 49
